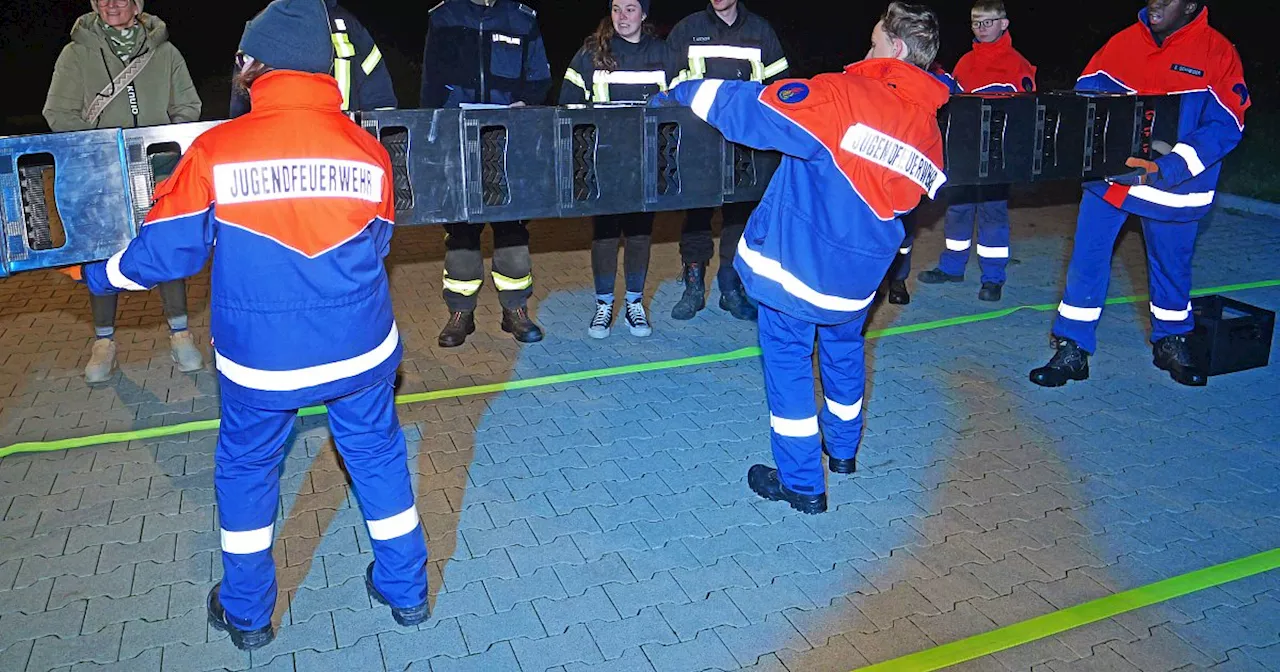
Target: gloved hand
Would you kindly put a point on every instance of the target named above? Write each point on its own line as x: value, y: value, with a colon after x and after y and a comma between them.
x: 1144, y: 172
x: 662, y: 99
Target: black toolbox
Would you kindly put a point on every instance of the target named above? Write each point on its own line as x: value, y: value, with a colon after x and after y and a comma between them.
x: 1230, y: 336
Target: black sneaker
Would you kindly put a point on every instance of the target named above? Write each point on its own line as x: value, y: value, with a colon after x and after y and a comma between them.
x: 898, y: 294
x: 637, y: 321
x: 991, y: 291
x: 407, y: 617
x: 937, y: 277
x: 460, y: 325
x: 1173, y: 354
x: 601, y: 321
x: 518, y: 323
x: 245, y: 640
x: 764, y: 482
x: 1068, y: 363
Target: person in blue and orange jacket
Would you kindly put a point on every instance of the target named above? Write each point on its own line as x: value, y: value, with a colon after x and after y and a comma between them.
x: 1171, y: 49
x: 860, y: 148
x: 897, y: 292
x: 295, y: 202
x: 993, y: 66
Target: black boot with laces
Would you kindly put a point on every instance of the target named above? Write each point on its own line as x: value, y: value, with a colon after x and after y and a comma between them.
x: 1068, y: 363
x: 1173, y: 354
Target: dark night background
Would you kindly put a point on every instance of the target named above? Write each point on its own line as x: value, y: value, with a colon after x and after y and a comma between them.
x: 1058, y: 37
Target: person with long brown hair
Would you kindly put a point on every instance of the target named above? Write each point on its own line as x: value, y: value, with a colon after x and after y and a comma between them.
x: 623, y: 61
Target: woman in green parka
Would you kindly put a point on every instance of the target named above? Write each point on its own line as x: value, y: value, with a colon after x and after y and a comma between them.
x: 88, y: 73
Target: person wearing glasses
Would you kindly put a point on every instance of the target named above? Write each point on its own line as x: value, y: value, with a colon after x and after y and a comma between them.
x: 1170, y: 49
x: 121, y: 71
x: 623, y: 61
x: 993, y: 66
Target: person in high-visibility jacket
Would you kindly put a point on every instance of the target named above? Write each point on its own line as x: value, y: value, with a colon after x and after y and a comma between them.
x: 488, y: 52
x: 992, y: 66
x: 1170, y: 49
x: 859, y: 149
x: 358, y: 67
x: 723, y: 41
x: 623, y: 61
x: 295, y: 202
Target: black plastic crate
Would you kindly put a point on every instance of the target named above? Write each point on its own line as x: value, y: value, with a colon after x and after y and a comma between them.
x: 1230, y: 336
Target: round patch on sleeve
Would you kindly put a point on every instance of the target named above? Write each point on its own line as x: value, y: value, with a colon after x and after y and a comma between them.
x: 793, y: 92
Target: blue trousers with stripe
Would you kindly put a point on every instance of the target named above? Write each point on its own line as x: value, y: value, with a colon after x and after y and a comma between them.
x: 787, y: 345
x: 989, y: 206
x: 1170, y: 247
x: 901, y: 266
x: 251, y: 448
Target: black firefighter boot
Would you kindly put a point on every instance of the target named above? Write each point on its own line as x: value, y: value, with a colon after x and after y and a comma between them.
x: 1172, y: 354
x: 516, y: 321
x: 735, y: 303
x: 764, y: 481
x: 245, y: 640
x: 695, y: 291
x: 898, y: 294
x: 1068, y: 363
x: 460, y: 325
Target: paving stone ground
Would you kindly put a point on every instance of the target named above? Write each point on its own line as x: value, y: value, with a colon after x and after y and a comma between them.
x: 606, y: 525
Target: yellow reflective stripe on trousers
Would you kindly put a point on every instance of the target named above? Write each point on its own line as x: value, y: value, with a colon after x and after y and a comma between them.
x: 342, y: 73
x: 463, y: 287
x: 372, y: 60
x: 505, y: 284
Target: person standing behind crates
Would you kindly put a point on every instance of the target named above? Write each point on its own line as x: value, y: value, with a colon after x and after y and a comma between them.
x: 358, y: 67
x: 295, y: 203
x: 121, y: 71
x: 993, y: 66
x: 724, y: 41
x: 621, y: 62
x: 489, y: 52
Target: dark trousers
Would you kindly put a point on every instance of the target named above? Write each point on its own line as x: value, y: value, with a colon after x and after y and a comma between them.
x: 637, y: 228
x: 696, y: 245
x: 464, y: 264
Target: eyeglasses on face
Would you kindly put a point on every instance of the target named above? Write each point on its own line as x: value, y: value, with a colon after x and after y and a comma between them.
x: 986, y: 23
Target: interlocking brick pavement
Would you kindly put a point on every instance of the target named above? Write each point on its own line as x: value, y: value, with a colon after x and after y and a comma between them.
x: 605, y: 524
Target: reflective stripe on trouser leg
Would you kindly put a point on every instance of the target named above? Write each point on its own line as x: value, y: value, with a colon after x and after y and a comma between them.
x: 1170, y: 246
x: 1089, y: 273
x: 463, y: 266
x: 959, y: 232
x: 246, y: 477
x: 512, y: 267
x: 843, y: 366
x: 786, y: 345
x: 993, y: 240
x: 901, y: 266
x: 369, y: 439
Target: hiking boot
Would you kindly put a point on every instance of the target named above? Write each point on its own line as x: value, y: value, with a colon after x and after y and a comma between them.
x: 764, y: 482
x: 736, y: 304
x: 1173, y: 354
x: 1069, y: 362
x: 183, y: 350
x: 405, y: 616
x: 637, y: 321
x: 601, y: 321
x: 695, y: 292
x: 518, y: 323
x: 898, y: 294
x: 101, y: 362
x: 991, y: 291
x: 245, y: 640
x: 460, y: 325
x: 937, y: 277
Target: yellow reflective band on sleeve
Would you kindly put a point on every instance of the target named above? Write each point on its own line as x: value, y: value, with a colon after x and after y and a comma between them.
x: 372, y: 60
x: 342, y: 44
x: 778, y: 67
x: 463, y: 287
x: 757, y: 70
x: 342, y: 73
x: 682, y: 76
x: 575, y: 77
x: 505, y: 284
x: 599, y: 91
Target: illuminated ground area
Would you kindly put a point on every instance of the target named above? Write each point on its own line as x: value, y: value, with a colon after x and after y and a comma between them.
x: 605, y: 524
